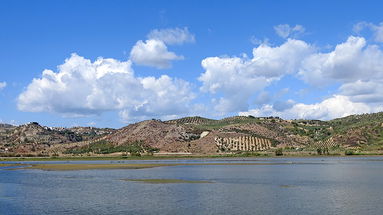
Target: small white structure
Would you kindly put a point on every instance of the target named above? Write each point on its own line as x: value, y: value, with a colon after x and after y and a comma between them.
x: 204, y: 134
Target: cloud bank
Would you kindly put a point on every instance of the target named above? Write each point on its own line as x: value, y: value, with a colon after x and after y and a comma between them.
x: 333, y: 107
x: 235, y: 84
x: 354, y: 65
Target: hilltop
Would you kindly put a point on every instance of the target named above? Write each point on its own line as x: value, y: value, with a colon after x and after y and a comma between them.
x: 198, y: 135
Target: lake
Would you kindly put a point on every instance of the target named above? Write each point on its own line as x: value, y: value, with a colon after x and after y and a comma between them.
x: 319, y: 185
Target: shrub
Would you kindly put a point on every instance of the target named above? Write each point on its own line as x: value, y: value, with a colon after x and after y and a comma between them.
x: 319, y: 151
x: 279, y: 152
x: 349, y: 152
x: 323, y: 151
x: 102, y: 147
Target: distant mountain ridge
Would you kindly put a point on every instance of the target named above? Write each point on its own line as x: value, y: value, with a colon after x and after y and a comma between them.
x: 201, y: 135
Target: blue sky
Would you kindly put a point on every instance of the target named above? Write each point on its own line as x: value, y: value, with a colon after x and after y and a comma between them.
x: 125, y: 61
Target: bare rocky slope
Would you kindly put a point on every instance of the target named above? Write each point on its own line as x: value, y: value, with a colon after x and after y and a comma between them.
x: 33, y: 138
x: 200, y: 135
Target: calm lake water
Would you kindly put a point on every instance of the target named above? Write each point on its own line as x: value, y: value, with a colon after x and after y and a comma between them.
x: 303, y: 186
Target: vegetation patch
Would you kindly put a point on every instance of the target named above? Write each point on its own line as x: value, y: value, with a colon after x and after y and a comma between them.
x: 103, y: 147
x: 168, y: 181
x: 8, y: 164
x: 286, y: 186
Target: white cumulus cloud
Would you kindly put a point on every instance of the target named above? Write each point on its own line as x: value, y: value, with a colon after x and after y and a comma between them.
x: 238, y: 78
x: 82, y: 87
x: 285, y: 30
x: 350, y: 61
x: 153, y: 53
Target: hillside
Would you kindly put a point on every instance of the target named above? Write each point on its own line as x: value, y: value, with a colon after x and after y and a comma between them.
x: 33, y: 138
x: 201, y: 135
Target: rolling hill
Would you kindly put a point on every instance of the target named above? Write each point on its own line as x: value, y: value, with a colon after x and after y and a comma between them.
x: 200, y: 135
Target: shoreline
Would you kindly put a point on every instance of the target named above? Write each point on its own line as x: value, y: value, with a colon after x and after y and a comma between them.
x: 88, y: 166
x: 183, y: 157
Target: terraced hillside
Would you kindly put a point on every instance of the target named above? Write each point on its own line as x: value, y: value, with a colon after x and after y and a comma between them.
x: 196, y: 120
